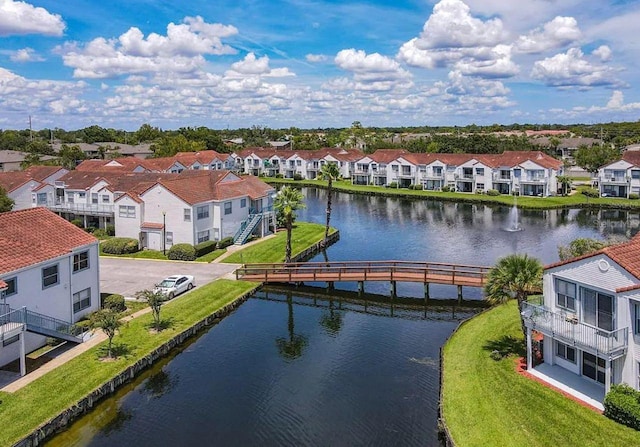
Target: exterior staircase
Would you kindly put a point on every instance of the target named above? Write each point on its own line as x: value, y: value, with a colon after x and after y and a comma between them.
x: 246, y: 229
x: 13, y: 319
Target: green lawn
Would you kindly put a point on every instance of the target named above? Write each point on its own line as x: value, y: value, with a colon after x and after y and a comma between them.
x: 142, y: 254
x: 304, y: 235
x: 573, y: 201
x: 486, y: 403
x: 25, y: 410
x: 209, y: 257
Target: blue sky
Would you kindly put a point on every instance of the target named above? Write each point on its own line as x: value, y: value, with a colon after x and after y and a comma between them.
x: 303, y: 63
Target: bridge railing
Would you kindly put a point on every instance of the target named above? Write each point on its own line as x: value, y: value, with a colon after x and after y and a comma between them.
x: 365, y: 271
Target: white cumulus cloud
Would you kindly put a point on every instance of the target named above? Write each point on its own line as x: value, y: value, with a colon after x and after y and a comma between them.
x: 315, y: 57
x: 24, y: 18
x: 555, y: 34
x: 374, y: 71
x: 256, y: 66
x: 25, y: 55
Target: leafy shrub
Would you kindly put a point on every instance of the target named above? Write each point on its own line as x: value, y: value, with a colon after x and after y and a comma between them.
x: 279, y: 176
x: 182, y: 252
x: 479, y: 191
x: 297, y: 176
x: 622, y: 404
x: 205, y: 247
x: 446, y: 188
x: 114, y: 302
x: 111, y: 230
x: 634, y: 196
x: 493, y: 192
x: 120, y: 246
x: 90, y: 230
x: 224, y: 243
x: 78, y: 223
x: 392, y: 185
x: 100, y: 233
x: 416, y: 187
x: 590, y: 192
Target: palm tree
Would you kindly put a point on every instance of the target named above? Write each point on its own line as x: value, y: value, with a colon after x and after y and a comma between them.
x: 287, y: 201
x: 565, y: 182
x: 291, y: 348
x: 329, y: 172
x: 109, y: 321
x: 155, y: 300
x: 514, y: 276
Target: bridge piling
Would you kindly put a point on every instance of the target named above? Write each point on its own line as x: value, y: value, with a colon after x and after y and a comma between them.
x: 393, y: 291
x: 426, y: 293
x: 459, y: 294
x: 330, y: 285
x: 361, y: 288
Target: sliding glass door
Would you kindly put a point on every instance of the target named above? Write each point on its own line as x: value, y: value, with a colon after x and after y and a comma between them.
x: 597, y: 309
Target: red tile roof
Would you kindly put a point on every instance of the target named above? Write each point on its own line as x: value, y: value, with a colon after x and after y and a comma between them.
x: 627, y: 255
x: 123, y: 164
x: 152, y: 225
x: 11, y: 181
x: 36, y: 235
x: 632, y: 157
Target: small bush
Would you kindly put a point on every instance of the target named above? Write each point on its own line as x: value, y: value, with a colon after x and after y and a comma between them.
x: 115, y: 303
x: 446, y: 188
x: 416, y: 187
x: 622, y: 404
x: 111, y: 230
x: 78, y: 223
x: 120, y: 246
x: 392, y: 185
x: 479, y: 191
x: 100, y: 233
x: 297, y: 176
x: 90, y: 230
x: 279, y: 176
x: 182, y: 252
x: 590, y: 192
x: 224, y: 243
x: 493, y: 192
x: 633, y: 196
x: 204, y: 248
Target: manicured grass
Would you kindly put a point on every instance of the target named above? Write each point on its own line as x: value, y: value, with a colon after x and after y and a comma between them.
x: 486, y: 403
x: 25, y: 410
x: 573, y: 201
x: 304, y: 235
x: 212, y: 256
x: 142, y: 254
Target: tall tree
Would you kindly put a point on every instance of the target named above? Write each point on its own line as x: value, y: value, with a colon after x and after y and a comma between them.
x: 109, y: 321
x: 6, y: 203
x: 565, y: 182
x: 70, y: 156
x: 329, y: 172
x: 579, y: 247
x: 593, y: 158
x: 514, y: 276
x: 287, y: 201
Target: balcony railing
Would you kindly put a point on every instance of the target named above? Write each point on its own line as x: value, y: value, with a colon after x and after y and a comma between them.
x: 501, y: 178
x: 94, y: 209
x: 614, y: 179
x: 567, y: 328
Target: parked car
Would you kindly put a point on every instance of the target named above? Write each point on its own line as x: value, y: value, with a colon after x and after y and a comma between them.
x: 175, y: 285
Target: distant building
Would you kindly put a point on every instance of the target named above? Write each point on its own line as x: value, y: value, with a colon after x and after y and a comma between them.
x: 24, y: 186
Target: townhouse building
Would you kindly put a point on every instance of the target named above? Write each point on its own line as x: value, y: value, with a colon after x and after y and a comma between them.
x: 194, y: 207
x: 50, y: 280
x: 590, y: 321
x: 23, y: 186
x: 621, y: 177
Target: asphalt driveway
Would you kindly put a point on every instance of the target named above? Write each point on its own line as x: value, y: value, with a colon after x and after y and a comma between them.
x: 127, y: 276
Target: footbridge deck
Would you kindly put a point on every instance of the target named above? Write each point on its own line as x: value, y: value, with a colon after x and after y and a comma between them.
x: 360, y: 271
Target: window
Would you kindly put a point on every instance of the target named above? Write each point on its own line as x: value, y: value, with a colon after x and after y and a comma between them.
x: 94, y: 198
x: 70, y: 197
x: 565, y: 352
x: 479, y: 171
x: 187, y: 215
x: 635, y: 173
x: 480, y: 186
x: 49, y: 276
x: 10, y: 340
x: 565, y: 294
x: 203, y: 236
x: 12, y: 286
x: 168, y: 237
x: 516, y: 173
x: 593, y: 367
x: 105, y: 198
x: 42, y: 198
x: 243, y: 203
x: 202, y: 212
x: 636, y: 316
x: 80, y: 261
x: 81, y: 300
x: 298, y: 162
x: 82, y: 195
x: 227, y: 208
x: 127, y: 211
x: 597, y: 309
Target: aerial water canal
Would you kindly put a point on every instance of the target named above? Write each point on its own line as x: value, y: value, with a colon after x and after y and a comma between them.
x: 300, y: 368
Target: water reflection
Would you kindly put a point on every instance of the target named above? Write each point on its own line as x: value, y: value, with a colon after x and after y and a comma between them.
x: 291, y: 348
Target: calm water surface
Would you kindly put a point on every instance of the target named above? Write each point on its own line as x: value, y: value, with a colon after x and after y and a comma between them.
x: 288, y: 369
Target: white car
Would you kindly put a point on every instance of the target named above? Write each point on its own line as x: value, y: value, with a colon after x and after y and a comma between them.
x: 175, y: 285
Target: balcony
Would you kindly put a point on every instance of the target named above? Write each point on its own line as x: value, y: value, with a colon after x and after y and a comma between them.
x: 534, y: 179
x: 434, y: 176
x: 620, y: 179
x: 501, y: 178
x: 566, y: 328
x: 93, y: 209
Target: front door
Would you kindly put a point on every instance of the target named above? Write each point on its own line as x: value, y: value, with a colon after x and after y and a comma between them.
x: 143, y: 239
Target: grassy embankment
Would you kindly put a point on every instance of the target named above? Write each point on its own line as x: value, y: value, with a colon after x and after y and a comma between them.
x: 28, y: 408
x: 573, y: 201
x: 487, y: 403
x: 158, y: 255
x: 304, y: 235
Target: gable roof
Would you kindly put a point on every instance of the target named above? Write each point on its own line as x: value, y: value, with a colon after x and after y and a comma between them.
x: 627, y: 255
x: 35, y: 235
x: 10, y: 181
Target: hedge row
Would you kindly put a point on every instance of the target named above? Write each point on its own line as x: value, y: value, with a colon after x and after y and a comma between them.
x: 622, y: 404
x: 182, y: 252
x: 120, y: 246
x: 205, y: 247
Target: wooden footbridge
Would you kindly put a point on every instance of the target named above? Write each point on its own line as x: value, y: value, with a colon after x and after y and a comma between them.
x: 361, y: 271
